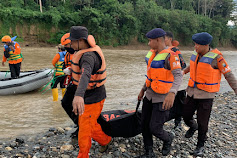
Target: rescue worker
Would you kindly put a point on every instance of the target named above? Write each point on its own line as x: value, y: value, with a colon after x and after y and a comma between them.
x: 68, y: 97
x: 163, y: 80
x: 59, y: 74
x: 12, y: 54
x: 206, y: 67
x: 170, y: 42
x: 68, y: 57
x: 173, y: 44
x: 88, y: 77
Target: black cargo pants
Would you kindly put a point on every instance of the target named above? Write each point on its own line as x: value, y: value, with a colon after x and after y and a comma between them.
x: 203, y: 107
x: 153, y: 119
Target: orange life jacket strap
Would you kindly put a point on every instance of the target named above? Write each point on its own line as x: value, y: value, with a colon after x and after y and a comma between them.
x: 75, y: 72
x: 74, y: 63
x: 98, y: 81
x: 100, y: 72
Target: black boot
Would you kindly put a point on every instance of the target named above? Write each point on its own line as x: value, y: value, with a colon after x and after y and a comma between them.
x: 167, y: 145
x: 199, y: 151
x: 191, y: 131
x: 148, y: 153
x: 177, y: 122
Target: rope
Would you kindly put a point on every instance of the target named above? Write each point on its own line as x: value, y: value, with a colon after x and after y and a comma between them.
x: 51, y: 81
x: 6, y: 73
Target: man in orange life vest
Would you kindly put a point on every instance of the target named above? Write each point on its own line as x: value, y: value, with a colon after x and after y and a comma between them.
x: 88, y: 76
x: 12, y: 54
x: 69, y: 94
x: 206, y: 67
x: 163, y: 80
x: 169, y: 42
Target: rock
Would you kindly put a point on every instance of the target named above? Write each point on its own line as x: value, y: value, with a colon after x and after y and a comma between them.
x: 60, y: 130
x: 122, y: 150
x: 117, y: 154
x: 19, y: 155
x: 66, y: 148
x: 217, y: 155
x: 8, y: 148
x: 68, y: 129
x: 122, y: 146
x: 185, y: 127
x: 20, y: 140
x: 219, y: 143
x: 53, y: 148
x: 126, y: 155
x: 36, y: 147
x: 115, y: 144
x: 52, y: 129
x: 65, y: 156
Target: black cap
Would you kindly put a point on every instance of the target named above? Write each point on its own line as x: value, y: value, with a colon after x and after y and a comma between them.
x: 155, y: 33
x: 202, y: 38
x: 78, y: 32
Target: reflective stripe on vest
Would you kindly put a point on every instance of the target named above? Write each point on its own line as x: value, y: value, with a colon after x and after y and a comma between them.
x: 202, y: 74
x: 158, y: 78
x: 11, y: 53
x: 99, y: 78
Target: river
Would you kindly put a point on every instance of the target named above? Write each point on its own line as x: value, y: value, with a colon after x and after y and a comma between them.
x: 34, y: 112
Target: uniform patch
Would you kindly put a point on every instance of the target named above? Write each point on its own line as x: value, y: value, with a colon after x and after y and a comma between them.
x: 176, y: 64
x: 225, y: 70
x: 176, y: 58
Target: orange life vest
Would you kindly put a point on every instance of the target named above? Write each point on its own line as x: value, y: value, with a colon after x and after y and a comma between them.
x: 68, y: 59
x: 202, y: 74
x: 158, y: 78
x: 97, y: 79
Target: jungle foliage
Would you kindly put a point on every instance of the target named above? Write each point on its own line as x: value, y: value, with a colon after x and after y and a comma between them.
x: 117, y: 22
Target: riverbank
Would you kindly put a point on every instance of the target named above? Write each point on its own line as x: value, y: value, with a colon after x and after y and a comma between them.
x: 56, y: 142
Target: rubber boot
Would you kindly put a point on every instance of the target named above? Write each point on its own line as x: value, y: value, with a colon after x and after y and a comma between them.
x: 63, y: 92
x: 55, y: 94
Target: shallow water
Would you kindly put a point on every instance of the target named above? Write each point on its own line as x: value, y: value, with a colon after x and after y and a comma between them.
x: 33, y: 112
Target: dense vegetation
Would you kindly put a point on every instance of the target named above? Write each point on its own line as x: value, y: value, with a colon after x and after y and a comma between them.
x: 117, y: 22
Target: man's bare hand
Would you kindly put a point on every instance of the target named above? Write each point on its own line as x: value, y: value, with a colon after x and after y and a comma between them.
x: 78, y: 105
x: 12, y: 48
x: 169, y: 101
x: 141, y: 94
x: 3, y: 64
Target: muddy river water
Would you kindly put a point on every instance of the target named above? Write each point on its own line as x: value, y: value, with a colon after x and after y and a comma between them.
x: 30, y: 113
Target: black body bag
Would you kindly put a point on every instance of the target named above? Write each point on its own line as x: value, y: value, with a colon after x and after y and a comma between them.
x: 121, y: 123
x: 176, y: 110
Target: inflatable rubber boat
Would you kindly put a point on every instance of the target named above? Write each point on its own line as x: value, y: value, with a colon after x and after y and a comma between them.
x: 27, y: 81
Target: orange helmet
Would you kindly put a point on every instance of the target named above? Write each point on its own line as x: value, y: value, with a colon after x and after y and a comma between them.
x: 64, y: 39
x: 6, y: 38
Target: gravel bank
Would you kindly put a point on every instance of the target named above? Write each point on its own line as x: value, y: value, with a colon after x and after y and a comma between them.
x: 56, y: 142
